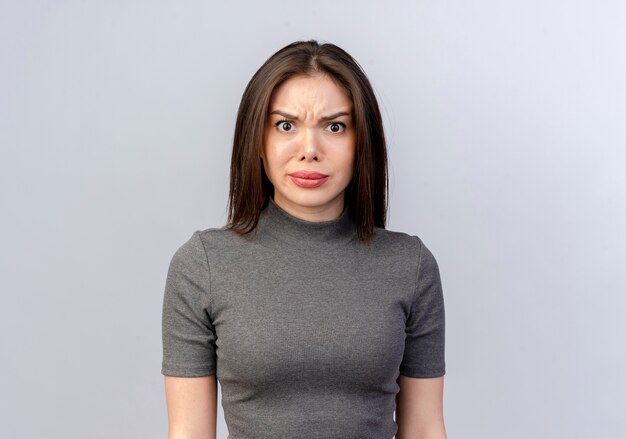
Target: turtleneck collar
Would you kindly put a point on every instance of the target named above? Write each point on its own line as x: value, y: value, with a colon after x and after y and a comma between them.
x: 277, y: 222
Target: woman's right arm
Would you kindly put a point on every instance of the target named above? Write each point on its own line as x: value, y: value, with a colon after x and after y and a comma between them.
x: 191, y: 407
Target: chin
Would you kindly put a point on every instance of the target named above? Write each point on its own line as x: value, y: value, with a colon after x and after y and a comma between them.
x: 311, y: 199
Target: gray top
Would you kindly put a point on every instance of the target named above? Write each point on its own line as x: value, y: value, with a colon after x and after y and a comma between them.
x: 306, y: 327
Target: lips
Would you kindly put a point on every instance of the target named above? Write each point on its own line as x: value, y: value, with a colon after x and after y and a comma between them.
x: 308, y: 174
x: 308, y: 179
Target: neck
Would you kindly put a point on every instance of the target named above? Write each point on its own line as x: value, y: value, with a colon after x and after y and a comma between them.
x: 280, y: 224
x: 329, y: 211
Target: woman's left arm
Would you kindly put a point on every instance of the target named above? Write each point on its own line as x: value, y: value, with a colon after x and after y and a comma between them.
x: 419, y: 408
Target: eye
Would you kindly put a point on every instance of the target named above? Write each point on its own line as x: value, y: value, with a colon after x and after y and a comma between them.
x: 337, y: 127
x: 284, y: 125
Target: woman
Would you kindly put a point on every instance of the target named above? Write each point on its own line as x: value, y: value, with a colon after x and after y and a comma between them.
x: 317, y: 321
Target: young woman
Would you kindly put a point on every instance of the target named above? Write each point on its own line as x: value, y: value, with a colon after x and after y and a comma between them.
x: 316, y: 320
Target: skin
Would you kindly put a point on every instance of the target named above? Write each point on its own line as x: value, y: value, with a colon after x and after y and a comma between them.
x: 191, y: 407
x: 301, y: 134
x: 419, y: 408
x: 304, y: 137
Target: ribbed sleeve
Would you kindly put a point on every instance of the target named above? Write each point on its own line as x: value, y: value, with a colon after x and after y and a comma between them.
x: 187, y: 329
x: 424, y: 349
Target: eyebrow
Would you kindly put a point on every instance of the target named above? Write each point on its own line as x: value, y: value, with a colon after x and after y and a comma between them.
x: 322, y: 119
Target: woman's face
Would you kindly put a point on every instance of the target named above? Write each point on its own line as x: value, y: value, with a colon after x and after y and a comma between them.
x: 309, y: 146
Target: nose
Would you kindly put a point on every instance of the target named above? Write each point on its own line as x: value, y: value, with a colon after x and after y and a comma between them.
x: 309, y: 147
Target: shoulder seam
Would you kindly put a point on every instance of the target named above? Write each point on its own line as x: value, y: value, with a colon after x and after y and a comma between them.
x: 419, y: 266
x: 206, y: 257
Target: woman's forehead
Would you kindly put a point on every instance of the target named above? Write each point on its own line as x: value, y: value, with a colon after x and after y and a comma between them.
x: 317, y: 93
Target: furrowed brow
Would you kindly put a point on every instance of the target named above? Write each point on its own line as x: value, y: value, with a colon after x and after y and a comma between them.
x: 334, y: 116
x: 322, y: 119
x: 285, y: 115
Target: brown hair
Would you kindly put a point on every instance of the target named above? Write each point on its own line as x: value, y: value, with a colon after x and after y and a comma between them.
x: 367, y: 193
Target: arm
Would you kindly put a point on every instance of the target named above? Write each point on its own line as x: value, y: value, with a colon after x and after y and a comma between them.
x: 191, y: 407
x: 189, y: 358
x: 419, y: 408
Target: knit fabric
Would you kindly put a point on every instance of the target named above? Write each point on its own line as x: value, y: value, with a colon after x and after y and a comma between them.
x: 306, y: 327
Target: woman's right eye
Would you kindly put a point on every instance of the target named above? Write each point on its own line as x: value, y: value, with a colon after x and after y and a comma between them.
x: 284, y: 125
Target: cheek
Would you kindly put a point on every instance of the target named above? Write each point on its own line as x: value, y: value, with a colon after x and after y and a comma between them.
x: 278, y: 153
x: 349, y: 158
x: 271, y: 144
x: 274, y: 158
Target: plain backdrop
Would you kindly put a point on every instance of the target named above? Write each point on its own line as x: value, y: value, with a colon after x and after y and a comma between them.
x: 507, y: 148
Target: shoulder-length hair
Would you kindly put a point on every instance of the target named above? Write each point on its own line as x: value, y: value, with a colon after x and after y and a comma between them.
x: 367, y: 193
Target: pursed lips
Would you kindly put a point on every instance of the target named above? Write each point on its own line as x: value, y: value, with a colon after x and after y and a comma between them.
x: 308, y: 179
x: 308, y: 174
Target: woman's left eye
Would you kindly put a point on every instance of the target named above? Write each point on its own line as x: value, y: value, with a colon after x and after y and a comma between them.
x: 337, y: 127
x: 284, y: 125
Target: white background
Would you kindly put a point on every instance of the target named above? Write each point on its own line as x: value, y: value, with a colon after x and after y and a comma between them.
x: 507, y: 147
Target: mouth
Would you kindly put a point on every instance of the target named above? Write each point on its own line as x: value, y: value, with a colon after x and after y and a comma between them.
x: 307, y: 179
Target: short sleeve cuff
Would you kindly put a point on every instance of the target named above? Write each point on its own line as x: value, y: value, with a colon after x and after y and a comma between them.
x: 423, y: 372
x: 187, y: 371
